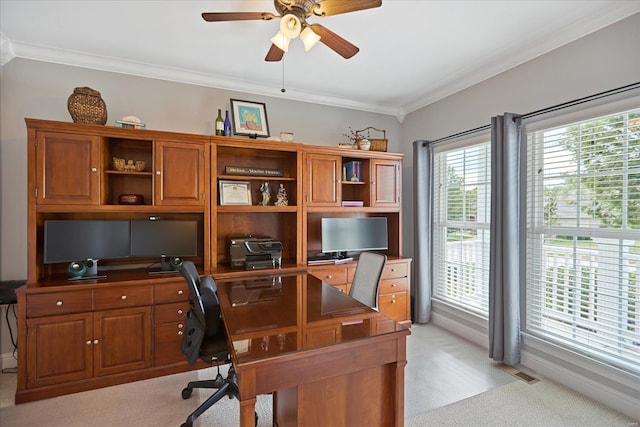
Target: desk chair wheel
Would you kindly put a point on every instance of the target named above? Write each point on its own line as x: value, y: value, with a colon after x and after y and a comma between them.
x: 186, y: 392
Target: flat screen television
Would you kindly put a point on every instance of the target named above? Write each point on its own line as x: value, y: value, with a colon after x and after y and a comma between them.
x: 343, y: 235
x: 173, y: 238
x: 78, y: 240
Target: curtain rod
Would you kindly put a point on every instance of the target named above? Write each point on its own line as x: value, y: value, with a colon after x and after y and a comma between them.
x: 568, y: 104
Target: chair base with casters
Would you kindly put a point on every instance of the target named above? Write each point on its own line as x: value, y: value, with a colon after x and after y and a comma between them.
x: 225, y: 387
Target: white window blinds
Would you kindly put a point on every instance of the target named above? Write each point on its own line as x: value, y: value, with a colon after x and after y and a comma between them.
x: 462, y: 193
x: 583, y: 237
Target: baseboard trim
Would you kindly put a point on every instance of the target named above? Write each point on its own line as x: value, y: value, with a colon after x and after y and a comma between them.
x: 8, y: 361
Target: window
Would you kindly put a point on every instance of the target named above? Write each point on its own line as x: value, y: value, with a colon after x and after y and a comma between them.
x: 583, y: 237
x: 462, y: 194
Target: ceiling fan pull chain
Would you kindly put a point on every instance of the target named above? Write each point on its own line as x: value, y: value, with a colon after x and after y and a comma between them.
x: 283, y: 90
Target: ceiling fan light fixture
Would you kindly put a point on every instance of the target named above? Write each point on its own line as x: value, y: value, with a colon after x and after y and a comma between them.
x: 281, y: 41
x: 290, y: 26
x: 309, y: 38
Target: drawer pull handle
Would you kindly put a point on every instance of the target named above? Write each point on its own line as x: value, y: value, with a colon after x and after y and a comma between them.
x: 96, y: 341
x: 94, y: 169
x: 123, y: 297
x: 180, y: 326
x: 393, y: 301
x: 89, y: 342
x: 180, y: 332
x: 393, y: 285
x: 180, y: 311
x: 180, y: 292
x: 59, y: 303
x: 393, y: 269
x: 329, y: 276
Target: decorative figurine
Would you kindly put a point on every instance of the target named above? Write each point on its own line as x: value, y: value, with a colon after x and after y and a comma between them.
x: 266, y: 197
x: 281, y: 198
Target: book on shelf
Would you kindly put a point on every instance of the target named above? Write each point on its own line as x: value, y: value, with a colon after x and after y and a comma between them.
x: 353, y: 203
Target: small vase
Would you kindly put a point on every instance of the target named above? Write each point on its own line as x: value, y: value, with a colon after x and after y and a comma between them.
x: 364, y: 144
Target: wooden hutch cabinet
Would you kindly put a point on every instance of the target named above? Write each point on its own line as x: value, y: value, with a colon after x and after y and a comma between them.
x: 127, y: 324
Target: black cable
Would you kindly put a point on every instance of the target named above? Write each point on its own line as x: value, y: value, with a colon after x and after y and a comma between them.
x: 13, y: 341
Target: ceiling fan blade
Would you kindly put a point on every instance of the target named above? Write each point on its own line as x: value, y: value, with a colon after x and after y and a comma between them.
x: 335, y: 42
x: 275, y: 54
x: 236, y: 16
x: 335, y: 7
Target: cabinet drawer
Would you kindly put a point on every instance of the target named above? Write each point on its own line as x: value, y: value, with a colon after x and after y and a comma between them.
x: 122, y: 296
x: 392, y: 270
x: 332, y: 276
x: 166, y: 344
x: 59, y: 303
x: 171, y: 292
x: 165, y: 313
x: 394, y: 306
x: 393, y: 285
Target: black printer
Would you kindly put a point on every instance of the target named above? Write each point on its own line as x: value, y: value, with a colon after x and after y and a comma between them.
x: 254, y: 253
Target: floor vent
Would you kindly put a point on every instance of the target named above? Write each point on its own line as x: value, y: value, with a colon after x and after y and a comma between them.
x: 519, y: 374
x: 526, y: 378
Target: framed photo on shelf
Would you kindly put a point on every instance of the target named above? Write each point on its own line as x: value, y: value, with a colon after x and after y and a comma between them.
x: 235, y: 193
x: 249, y: 118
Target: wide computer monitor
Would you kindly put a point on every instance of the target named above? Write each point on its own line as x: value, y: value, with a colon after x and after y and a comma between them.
x: 343, y: 235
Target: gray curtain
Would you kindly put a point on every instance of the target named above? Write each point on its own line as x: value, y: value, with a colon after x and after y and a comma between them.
x: 422, y: 215
x: 506, y: 264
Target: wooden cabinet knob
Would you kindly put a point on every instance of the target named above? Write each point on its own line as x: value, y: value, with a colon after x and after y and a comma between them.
x: 59, y: 303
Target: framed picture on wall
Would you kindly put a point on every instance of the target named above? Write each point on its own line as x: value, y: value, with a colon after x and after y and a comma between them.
x: 249, y: 118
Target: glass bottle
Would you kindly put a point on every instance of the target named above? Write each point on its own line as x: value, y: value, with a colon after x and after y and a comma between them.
x: 219, y: 124
x: 227, y: 124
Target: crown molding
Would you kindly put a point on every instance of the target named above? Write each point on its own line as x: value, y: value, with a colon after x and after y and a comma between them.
x: 139, y: 69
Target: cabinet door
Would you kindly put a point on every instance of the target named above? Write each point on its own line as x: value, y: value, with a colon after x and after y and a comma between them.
x: 179, y: 171
x: 67, y: 169
x: 122, y: 340
x: 59, y: 349
x: 385, y: 191
x: 323, y: 180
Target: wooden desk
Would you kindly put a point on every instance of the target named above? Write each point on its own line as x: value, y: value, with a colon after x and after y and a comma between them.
x: 328, y: 359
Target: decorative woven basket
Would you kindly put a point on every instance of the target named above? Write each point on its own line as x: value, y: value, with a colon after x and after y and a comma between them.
x: 86, y: 106
x: 376, y: 144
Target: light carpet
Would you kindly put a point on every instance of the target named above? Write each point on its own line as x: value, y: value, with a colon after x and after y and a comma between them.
x: 542, y: 404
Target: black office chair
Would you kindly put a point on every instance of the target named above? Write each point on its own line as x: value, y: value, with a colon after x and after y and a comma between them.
x: 205, y: 339
x: 366, y: 279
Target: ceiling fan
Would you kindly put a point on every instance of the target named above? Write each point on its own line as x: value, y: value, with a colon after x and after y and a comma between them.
x: 293, y: 23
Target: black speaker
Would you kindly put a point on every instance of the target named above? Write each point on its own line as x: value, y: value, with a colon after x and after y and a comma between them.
x: 176, y: 263
x: 76, y: 269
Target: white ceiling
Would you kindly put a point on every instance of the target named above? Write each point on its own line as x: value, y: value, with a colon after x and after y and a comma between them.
x: 412, y: 53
